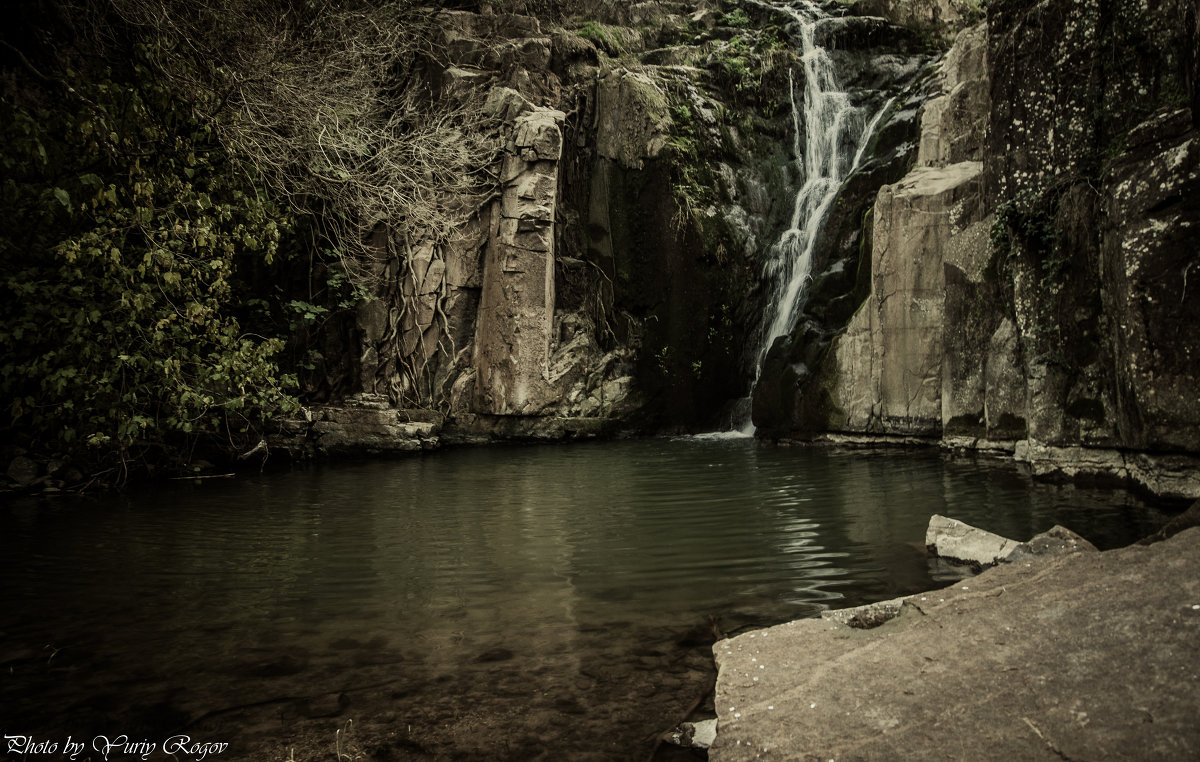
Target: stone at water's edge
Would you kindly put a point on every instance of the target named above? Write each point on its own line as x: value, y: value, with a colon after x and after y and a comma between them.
x: 890, y: 358
x: 962, y: 543
x: 952, y: 539
x: 1083, y: 656
x: 22, y: 471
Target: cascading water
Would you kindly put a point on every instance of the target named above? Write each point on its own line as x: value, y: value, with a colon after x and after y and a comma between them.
x: 830, y: 136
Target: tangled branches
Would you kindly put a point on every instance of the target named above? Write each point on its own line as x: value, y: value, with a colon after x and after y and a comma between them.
x: 329, y: 106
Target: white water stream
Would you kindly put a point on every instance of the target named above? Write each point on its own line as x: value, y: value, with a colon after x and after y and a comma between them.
x: 830, y: 136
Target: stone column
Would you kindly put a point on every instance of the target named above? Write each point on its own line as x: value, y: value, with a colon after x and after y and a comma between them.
x: 516, y: 309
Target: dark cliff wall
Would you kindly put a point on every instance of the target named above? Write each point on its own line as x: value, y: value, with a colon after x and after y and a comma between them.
x: 1030, y: 278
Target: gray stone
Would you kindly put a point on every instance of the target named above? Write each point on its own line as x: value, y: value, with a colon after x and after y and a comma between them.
x: 505, y: 104
x: 696, y: 735
x: 633, y: 118
x: 958, y: 541
x: 890, y: 358
x: 941, y: 17
x: 516, y: 312
x: 952, y: 123
x: 1056, y: 541
x: 1084, y: 656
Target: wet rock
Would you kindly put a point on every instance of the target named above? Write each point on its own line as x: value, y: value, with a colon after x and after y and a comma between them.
x: 365, y: 424
x: 22, y: 471
x: 957, y: 541
x: 1166, y: 475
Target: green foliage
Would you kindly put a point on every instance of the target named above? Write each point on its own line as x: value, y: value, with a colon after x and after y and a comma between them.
x: 611, y: 39
x: 693, y: 185
x: 751, y: 62
x: 736, y: 18
x: 126, y: 226
x: 734, y: 63
x: 1027, y: 220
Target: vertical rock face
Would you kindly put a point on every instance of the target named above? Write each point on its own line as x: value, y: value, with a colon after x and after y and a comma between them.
x: 1030, y: 279
x: 890, y: 358
x: 952, y: 123
x: 516, y: 309
x: 874, y: 61
x: 1090, y: 172
x: 1149, y: 260
x: 883, y: 371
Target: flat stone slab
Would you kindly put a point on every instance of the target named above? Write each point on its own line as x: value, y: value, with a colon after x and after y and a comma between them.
x: 1085, y: 656
x: 952, y: 539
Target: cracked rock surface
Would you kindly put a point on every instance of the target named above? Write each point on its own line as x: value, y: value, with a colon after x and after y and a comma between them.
x: 1084, y: 656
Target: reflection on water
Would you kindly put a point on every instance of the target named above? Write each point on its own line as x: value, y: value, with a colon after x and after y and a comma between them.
x: 507, y: 603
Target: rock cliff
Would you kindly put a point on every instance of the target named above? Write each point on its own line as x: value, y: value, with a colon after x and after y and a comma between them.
x: 1030, y: 275
x: 614, y: 279
x: 1009, y: 268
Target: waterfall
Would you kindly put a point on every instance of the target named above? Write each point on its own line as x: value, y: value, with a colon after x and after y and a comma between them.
x: 830, y: 136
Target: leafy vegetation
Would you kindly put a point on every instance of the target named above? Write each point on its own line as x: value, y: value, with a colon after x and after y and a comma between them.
x: 189, y: 190
x: 736, y: 18
x: 126, y: 226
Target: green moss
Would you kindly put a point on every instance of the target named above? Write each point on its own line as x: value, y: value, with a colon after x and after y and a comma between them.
x: 613, y: 40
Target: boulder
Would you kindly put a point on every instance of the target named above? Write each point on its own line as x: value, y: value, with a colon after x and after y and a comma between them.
x: 960, y: 542
x: 1081, y: 656
x: 22, y: 471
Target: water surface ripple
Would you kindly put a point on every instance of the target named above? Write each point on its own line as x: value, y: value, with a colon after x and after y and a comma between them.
x: 503, y: 603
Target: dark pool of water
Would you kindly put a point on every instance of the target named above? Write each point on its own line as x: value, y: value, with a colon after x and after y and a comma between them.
x: 504, y: 603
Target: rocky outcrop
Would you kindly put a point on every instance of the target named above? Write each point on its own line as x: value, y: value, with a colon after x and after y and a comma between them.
x: 890, y: 358
x: 363, y: 423
x: 1028, y: 286
x: 952, y: 122
x: 885, y: 373
x: 516, y: 309
x: 1046, y: 658
x: 791, y: 392
x: 942, y: 18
